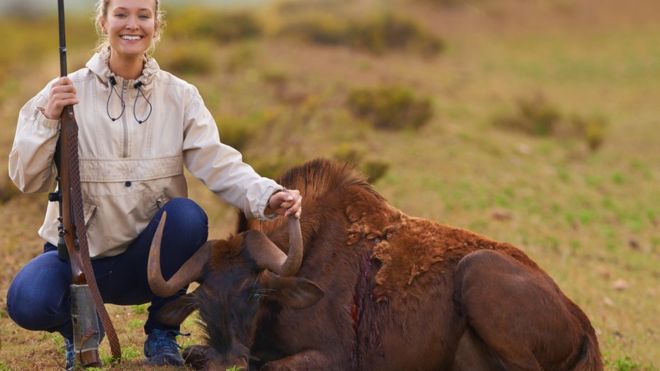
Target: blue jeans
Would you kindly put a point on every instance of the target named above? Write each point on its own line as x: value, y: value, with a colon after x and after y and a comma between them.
x: 38, y: 298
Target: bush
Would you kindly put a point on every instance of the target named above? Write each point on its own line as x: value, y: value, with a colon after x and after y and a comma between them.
x: 187, y: 57
x: 591, y: 129
x: 387, y: 32
x: 390, y: 107
x: 450, y: 3
x: 346, y: 152
x: 237, y: 131
x: 218, y: 25
x: 534, y: 115
x: 276, y: 78
x: 375, y: 170
x: 288, y: 7
x: 323, y: 29
x: 377, y: 34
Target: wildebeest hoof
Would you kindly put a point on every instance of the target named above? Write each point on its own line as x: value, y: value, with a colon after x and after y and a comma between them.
x: 196, y: 356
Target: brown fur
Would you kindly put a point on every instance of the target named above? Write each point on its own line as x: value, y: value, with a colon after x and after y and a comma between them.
x: 408, y: 293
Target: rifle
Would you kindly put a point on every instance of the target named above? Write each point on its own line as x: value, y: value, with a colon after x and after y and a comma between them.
x: 86, y: 300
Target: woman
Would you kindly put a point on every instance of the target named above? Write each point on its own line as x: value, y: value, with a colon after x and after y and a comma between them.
x: 138, y: 127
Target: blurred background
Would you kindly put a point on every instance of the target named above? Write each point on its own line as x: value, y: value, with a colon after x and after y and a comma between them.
x: 532, y: 122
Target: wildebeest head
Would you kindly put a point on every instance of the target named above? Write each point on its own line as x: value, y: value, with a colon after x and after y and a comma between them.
x: 236, y: 277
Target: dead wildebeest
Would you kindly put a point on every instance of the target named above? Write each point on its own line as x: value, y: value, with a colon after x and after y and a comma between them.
x: 389, y: 292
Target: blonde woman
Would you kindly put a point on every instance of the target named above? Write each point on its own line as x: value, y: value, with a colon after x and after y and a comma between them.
x: 139, y: 127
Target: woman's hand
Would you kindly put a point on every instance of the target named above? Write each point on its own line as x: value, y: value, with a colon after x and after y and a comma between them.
x: 286, y: 202
x: 62, y: 94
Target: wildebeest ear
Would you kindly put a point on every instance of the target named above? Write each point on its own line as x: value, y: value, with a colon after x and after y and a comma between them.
x: 175, y: 312
x: 294, y: 292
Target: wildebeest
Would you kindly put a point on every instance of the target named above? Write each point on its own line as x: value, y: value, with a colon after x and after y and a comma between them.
x: 377, y: 290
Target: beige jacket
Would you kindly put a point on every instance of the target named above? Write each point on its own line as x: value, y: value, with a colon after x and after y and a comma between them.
x: 128, y: 170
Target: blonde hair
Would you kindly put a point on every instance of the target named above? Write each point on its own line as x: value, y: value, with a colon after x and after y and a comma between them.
x: 102, y: 13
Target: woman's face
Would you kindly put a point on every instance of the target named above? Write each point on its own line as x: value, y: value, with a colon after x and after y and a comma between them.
x: 130, y: 26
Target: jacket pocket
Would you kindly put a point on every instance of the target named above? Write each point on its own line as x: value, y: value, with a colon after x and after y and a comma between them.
x: 89, y: 211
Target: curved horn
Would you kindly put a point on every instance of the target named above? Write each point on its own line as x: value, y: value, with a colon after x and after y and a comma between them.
x: 269, y: 256
x: 190, y: 271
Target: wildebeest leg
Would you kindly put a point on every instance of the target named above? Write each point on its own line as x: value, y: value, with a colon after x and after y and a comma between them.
x: 307, y: 360
x: 517, y: 312
x: 472, y: 354
x: 196, y: 356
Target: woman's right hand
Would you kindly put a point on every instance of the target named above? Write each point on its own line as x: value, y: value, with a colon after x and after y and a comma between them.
x: 62, y: 94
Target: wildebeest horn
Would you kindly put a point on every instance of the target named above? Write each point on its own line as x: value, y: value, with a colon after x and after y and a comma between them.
x: 190, y: 271
x: 269, y: 256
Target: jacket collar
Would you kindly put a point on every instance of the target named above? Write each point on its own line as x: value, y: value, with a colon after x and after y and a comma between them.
x: 99, y: 65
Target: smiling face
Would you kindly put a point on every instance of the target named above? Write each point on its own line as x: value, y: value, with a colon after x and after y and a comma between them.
x: 131, y: 26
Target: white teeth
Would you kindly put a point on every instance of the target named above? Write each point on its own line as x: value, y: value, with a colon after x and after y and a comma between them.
x: 130, y: 37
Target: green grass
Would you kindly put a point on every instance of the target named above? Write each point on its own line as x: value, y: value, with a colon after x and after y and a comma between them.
x: 140, y: 309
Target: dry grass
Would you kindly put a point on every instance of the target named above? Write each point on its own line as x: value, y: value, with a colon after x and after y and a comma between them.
x: 591, y: 219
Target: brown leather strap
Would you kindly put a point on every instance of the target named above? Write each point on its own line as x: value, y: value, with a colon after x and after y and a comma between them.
x: 71, y: 130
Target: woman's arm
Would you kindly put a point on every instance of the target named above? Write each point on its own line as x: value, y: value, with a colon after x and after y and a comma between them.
x: 221, y: 167
x: 31, y: 165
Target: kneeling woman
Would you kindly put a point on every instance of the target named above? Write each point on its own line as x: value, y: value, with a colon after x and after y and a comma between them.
x: 138, y: 127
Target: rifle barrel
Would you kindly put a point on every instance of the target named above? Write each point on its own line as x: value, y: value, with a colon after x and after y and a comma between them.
x: 60, y: 17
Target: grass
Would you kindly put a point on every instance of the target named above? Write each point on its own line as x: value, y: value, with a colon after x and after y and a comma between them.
x: 589, y: 218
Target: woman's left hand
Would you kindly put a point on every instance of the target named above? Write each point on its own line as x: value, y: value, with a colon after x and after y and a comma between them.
x: 286, y: 202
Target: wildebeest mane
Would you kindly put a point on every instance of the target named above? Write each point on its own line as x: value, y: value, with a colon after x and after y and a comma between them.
x: 326, y: 187
x: 320, y: 178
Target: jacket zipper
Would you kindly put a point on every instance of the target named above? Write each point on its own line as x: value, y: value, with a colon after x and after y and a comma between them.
x: 124, y: 86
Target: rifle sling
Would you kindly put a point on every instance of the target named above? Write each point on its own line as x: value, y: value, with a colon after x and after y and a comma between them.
x: 68, y: 143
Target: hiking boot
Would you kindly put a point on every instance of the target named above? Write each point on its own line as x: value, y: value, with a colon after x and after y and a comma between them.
x: 70, y: 355
x: 161, y: 348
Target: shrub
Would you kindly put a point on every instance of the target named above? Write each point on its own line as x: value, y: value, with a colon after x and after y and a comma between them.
x: 288, y: 7
x: 534, y: 115
x: 187, y: 57
x: 591, y: 129
x: 377, y: 34
x: 390, y: 107
x: 346, y: 152
x: 323, y: 29
x: 237, y: 131
x: 276, y: 78
x: 450, y: 3
x: 387, y: 32
x: 375, y: 169
x: 233, y: 134
x: 218, y: 25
